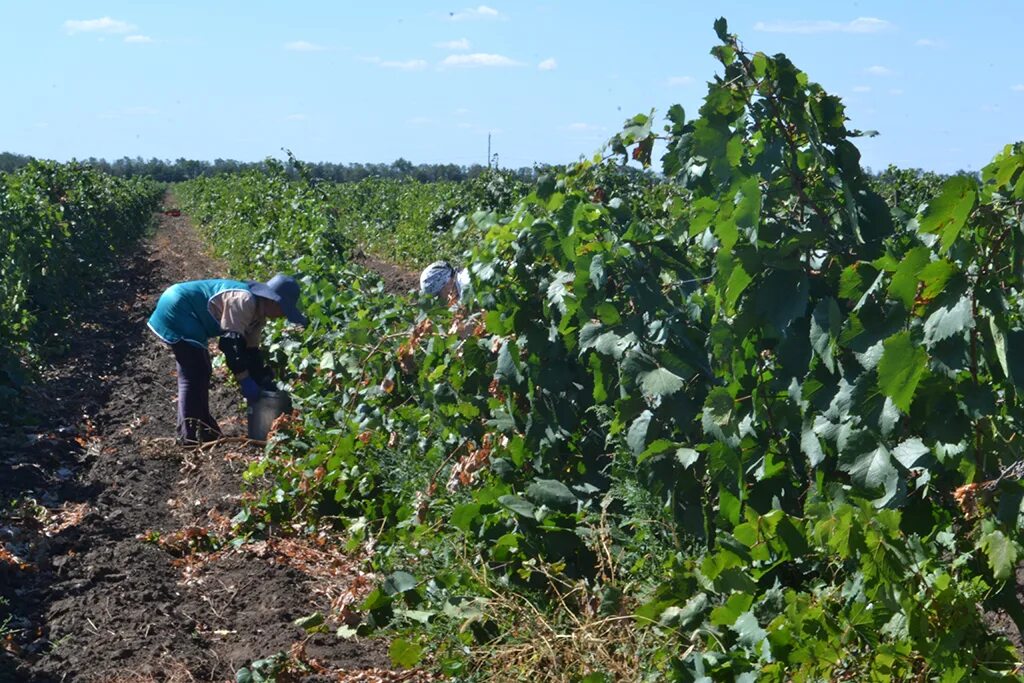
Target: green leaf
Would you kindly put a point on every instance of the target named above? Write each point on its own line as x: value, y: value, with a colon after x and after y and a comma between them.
x: 687, y: 456
x: 903, y: 286
x: 418, y: 615
x: 811, y: 446
x: 399, y: 582
x: 726, y: 231
x: 518, y: 505
x: 780, y: 298
x: 702, y: 213
x: 825, y: 323
x: 738, y: 281
x: 405, y: 653
x: 464, y: 515
x: 508, y: 365
x: 872, y: 469
x: 611, y: 344
x: 1001, y: 552
x: 589, y: 335
x: 948, y: 321
x: 558, y: 292
x: 375, y: 600
x: 465, y: 608
x: 722, y: 29
x: 608, y: 313
x: 910, y: 452
x: 946, y: 214
x: 310, y: 623
x: 597, y: 372
x: 660, y: 382
x: 637, y: 435
x: 1015, y: 357
x: 327, y: 361
x: 693, y: 610
x: 659, y: 446
x: 684, y: 617
x: 748, y: 204
x: 552, y: 493
x: 935, y: 275
x: 902, y: 366
x: 719, y: 406
x: 728, y: 613
x: 851, y: 282
x: 749, y: 631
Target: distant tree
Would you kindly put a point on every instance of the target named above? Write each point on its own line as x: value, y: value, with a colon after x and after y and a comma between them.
x: 182, y: 169
x: 12, y: 162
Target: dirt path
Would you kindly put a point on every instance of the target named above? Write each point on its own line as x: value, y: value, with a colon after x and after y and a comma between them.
x: 397, y: 279
x: 90, y: 594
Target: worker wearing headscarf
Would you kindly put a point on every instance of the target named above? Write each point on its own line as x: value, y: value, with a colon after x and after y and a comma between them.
x: 440, y: 278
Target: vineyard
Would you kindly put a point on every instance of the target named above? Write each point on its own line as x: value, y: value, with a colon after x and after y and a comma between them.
x: 61, y: 227
x: 740, y: 413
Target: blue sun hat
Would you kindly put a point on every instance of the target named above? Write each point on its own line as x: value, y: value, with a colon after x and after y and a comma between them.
x: 285, y: 291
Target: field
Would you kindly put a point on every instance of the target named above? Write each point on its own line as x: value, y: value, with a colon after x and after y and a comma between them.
x: 743, y: 412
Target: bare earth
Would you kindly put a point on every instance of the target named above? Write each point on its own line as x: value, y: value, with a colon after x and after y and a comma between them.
x: 92, y: 594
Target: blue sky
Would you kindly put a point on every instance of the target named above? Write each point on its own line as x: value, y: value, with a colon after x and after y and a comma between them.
x: 942, y: 82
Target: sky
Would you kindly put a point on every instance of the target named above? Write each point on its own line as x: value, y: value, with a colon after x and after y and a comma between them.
x: 942, y: 81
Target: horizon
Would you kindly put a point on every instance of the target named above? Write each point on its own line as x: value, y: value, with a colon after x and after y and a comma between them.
x: 428, y: 82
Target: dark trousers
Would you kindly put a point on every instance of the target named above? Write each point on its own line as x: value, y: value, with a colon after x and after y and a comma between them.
x: 195, y: 424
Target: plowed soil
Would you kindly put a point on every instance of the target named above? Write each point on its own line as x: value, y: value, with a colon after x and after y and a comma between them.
x: 107, y: 527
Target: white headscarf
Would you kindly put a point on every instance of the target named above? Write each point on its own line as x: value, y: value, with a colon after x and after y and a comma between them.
x: 435, y: 276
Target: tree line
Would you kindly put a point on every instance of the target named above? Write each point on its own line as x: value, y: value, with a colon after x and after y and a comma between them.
x: 183, y: 169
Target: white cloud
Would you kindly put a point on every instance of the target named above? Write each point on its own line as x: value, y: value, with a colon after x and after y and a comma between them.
x: 1017, y: 88
x: 680, y: 80
x: 548, y: 64
x: 461, y: 111
x: 858, y: 25
x: 138, y: 39
x: 862, y: 88
x: 584, y: 127
x: 103, y: 25
x: 408, y: 65
x: 479, y: 59
x: 928, y: 42
x: 460, y: 44
x: 879, y: 70
x: 303, y: 46
x: 297, y: 117
x: 896, y: 91
x: 478, y: 12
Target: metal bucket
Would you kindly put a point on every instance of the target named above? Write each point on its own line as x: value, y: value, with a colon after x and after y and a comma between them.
x: 262, y: 414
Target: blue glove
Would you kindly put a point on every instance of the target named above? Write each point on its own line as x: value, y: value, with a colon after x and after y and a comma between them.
x: 250, y: 389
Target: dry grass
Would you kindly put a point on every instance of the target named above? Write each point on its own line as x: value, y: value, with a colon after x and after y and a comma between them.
x: 548, y: 647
